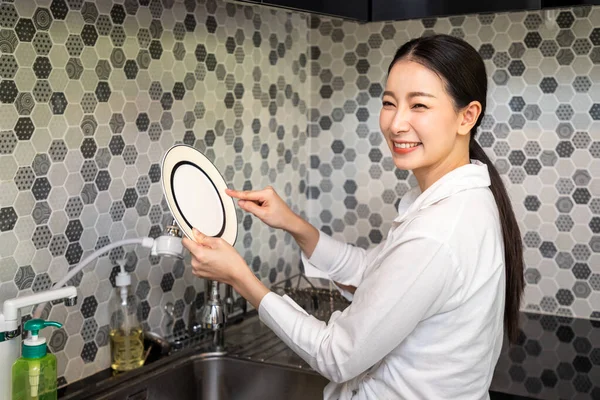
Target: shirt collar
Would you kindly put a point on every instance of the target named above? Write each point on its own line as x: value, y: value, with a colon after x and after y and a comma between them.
x: 470, y: 176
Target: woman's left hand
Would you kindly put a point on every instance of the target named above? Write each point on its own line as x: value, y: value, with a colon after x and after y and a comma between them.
x: 215, y: 259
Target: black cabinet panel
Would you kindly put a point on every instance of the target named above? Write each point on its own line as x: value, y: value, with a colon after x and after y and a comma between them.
x: 384, y: 10
x: 350, y: 9
x: 568, y: 3
x: 390, y: 10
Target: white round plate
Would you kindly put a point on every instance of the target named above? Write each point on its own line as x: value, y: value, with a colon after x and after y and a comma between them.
x: 195, y: 193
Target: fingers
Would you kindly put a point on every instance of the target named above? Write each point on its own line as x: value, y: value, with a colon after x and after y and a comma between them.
x: 203, y: 250
x: 198, y: 236
x: 254, y: 195
x: 203, y: 240
x: 200, y: 268
x: 199, y: 256
x: 254, y: 201
x: 189, y: 244
x: 253, y: 208
x: 195, y: 249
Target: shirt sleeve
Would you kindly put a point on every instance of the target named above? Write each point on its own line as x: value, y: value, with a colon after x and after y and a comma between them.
x: 343, y: 262
x: 413, y: 282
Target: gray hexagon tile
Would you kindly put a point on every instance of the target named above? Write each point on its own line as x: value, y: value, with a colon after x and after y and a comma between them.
x: 93, y: 93
x: 87, y: 117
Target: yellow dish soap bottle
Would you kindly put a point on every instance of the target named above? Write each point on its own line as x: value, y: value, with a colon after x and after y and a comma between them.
x: 126, y: 333
x: 34, y: 373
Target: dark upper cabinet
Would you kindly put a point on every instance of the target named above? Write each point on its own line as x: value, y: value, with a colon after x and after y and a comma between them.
x: 349, y: 9
x: 392, y: 10
x: 568, y: 3
x: 385, y: 10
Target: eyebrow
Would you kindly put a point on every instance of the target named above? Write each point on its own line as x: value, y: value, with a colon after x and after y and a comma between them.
x: 411, y: 94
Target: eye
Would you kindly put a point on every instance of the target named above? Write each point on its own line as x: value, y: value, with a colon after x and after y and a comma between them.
x: 387, y: 104
x: 420, y: 105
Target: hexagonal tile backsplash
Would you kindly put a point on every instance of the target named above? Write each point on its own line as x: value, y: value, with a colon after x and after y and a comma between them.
x: 91, y: 96
x: 542, y: 129
x: 93, y: 93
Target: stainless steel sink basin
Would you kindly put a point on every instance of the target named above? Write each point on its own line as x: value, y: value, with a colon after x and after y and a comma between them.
x: 258, y: 365
x: 219, y: 378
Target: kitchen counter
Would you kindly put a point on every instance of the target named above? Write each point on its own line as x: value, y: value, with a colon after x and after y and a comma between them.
x: 555, y: 358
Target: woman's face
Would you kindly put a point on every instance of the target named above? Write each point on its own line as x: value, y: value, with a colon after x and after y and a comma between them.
x: 420, y: 123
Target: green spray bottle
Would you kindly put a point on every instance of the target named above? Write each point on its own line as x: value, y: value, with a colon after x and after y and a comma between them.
x: 34, y: 373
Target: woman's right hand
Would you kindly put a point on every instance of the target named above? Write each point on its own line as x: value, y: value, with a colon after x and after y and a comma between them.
x: 266, y: 205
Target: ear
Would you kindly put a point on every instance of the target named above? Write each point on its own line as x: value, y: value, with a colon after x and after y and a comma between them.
x: 469, y: 116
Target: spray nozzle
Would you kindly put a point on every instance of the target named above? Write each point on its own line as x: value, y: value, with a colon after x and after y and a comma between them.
x: 36, y: 325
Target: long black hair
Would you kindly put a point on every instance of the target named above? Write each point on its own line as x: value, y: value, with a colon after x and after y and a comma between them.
x: 463, y: 71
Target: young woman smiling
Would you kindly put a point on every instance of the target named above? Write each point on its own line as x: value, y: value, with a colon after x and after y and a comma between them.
x: 432, y: 302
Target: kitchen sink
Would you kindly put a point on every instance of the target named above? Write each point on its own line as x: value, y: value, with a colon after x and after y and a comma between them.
x: 257, y: 365
x: 219, y: 378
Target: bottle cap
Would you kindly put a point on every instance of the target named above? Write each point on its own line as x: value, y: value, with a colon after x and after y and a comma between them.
x: 123, y: 279
x: 35, y: 346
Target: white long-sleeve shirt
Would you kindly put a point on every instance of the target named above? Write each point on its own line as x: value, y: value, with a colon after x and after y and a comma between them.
x: 426, y: 319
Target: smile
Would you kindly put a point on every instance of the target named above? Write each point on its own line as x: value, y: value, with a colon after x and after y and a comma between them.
x: 406, y: 145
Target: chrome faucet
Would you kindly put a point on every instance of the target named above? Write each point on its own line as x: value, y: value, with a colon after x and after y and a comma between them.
x: 215, y: 314
x: 211, y: 317
x: 212, y: 313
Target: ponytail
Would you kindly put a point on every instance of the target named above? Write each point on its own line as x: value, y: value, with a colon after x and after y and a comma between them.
x: 513, y: 246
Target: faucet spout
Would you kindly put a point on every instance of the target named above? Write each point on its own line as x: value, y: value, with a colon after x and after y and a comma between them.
x: 212, y: 314
x: 210, y: 318
x: 11, y: 307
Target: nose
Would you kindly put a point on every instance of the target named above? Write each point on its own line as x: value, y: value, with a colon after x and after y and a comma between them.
x: 400, y: 123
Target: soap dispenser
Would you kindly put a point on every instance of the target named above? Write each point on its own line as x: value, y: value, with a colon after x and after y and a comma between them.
x: 34, y: 373
x: 126, y: 333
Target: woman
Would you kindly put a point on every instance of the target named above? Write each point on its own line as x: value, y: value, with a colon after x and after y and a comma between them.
x: 430, y: 303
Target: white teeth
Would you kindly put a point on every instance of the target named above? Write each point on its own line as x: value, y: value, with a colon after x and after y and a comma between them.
x: 405, y: 145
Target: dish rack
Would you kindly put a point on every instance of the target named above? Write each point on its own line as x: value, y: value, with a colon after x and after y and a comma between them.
x: 318, y: 301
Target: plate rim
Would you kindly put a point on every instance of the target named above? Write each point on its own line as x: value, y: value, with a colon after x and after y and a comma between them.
x: 230, y: 230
